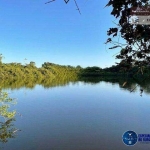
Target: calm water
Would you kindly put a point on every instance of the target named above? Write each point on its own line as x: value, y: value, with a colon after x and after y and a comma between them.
x: 78, y: 116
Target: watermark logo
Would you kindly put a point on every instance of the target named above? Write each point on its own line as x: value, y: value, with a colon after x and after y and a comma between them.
x: 144, y: 138
x: 130, y: 138
x: 140, y: 15
x: 140, y: 11
x: 143, y: 20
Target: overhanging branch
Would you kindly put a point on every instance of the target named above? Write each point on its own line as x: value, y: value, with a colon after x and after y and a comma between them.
x: 66, y: 1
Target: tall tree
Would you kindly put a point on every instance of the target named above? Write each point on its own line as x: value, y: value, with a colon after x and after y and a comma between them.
x: 137, y: 36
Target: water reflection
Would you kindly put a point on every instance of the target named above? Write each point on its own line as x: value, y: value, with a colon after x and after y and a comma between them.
x: 7, y: 130
x: 7, y: 118
x: 31, y: 83
x: 132, y: 85
x: 77, y: 116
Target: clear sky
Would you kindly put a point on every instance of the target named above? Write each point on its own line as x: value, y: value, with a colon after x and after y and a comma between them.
x: 56, y: 32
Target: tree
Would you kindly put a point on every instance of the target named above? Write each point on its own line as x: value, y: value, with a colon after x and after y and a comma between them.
x: 137, y: 36
x: 78, y: 67
x: 32, y: 64
x: 7, y: 128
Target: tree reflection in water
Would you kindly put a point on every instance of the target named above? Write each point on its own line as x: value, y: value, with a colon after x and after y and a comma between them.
x: 7, y: 118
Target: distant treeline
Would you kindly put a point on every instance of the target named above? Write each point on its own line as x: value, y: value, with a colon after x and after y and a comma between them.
x: 51, y: 71
x: 114, y: 71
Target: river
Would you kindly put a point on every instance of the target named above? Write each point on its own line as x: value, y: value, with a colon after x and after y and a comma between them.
x: 78, y: 116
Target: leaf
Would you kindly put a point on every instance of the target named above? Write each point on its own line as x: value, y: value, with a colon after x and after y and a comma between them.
x: 109, y: 3
x: 114, y: 47
x: 108, y: 40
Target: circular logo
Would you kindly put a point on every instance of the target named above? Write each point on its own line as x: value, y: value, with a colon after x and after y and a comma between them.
x: 129, y: 138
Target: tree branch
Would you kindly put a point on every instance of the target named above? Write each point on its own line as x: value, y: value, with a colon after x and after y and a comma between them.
x: 49, y: 1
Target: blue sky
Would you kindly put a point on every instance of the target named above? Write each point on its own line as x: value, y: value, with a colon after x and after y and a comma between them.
x: 56, y: 32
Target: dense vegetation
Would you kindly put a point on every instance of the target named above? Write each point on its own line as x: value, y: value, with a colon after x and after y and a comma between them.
x: 7, y: 118
x: 16, y: 75
x: 136, y: 48
x: 48, y: 72
x: 29, y: 71
x: 116, y: 71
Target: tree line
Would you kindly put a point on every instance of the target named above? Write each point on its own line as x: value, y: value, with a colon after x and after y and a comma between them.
x: 50, y: 71
x: 30, y: 71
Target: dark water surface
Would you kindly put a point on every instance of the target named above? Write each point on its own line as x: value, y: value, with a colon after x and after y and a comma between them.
x: 79, y: 116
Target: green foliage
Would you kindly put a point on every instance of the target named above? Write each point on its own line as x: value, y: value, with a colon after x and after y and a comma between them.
x: 91, y: 71
x: 51, y: 73
x: 5, y: 102
x: 118, y: 70
x: 78, y: 67
x: 137, y: 48
x: 30, y: 71
x: 7, y: 128
x: 32, y: 64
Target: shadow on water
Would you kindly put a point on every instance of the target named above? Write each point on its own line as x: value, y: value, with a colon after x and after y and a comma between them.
x: 7, y: 119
